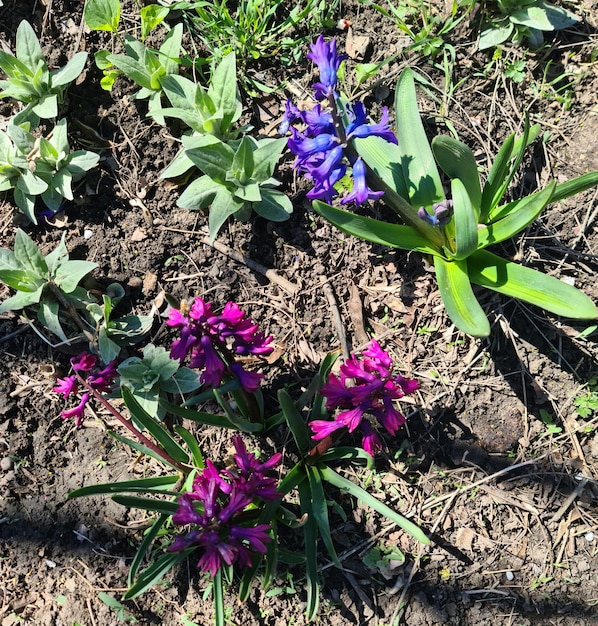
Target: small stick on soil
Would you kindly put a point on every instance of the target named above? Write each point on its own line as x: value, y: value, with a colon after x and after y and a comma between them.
x: 569, y: 501
x: 270, y: 274
x: 336, y: 316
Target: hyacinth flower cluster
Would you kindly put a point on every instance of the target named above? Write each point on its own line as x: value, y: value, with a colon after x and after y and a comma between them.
x: 366, y: 385
x: 222, y: 507
x: 212, y: 341
x: 322, y: 146
x: 101, y: 380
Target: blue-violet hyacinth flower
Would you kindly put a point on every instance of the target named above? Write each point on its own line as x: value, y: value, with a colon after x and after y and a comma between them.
x: 366, y: 385
x: 321, y: 141
x: 324, y: 55
x: 101, y: 380
x: 212, y: 341
x: 220, y: 507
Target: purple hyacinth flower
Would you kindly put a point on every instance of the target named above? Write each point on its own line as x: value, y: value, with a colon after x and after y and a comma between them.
x: 212, y: 340
x: 221, y: 507
x: 365, y: 386
x: 324, y: 55
x: 84, y: 362
x: 77, y: 412
x: 66, y: 386
x: 359, y: 128
x: 360, y: 192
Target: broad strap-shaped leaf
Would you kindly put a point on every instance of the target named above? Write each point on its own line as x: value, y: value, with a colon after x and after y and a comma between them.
x: 144, y: 546
x: 154, y: 573
x: 295, y: 421
x: 157, y: 431
x: 376, y: 231
x: 385, y: 173
x: 164, y: 507
x: 319, y: 509
x: 504, y: 169
x: 417, y: 161
x: 522, y: 213
x: 458, y: 298
x: 191, y: 441
x: 330, y: 476
x: 464, y: 225
x: 553, y: 295
x: 561, y: 192
x: 456, y: 160
x: 491, y: 193
x: 209, y: 419
x: 154, y: 484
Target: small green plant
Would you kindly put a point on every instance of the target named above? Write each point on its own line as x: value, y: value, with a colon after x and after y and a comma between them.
x: 49, y: 284
x: 520, y: 20
x: 28, y: 78
x: 237, y: 173
x: 208, y: 112
x: 41, y: 166
x: 255, y: 29
x: 111, y: 334
x: 144, y: 66
x: 50, y: 287
x: 155, y: 375
x: 587, y: 402
x: 122, y: 615
x: 422, y: 24
x: 235, y: 182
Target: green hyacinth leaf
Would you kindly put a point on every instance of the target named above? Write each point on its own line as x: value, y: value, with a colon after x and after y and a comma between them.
x: 456, y: 160
x: 549, y: 293
x: 458, y: 297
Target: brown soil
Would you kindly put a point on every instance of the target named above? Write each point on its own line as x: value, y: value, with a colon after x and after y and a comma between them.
x: 511, y: 503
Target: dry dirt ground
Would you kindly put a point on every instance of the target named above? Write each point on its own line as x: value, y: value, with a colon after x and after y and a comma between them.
x: 499, y: 459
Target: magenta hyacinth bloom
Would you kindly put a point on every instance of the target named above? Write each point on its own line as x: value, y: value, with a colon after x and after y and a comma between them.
x: 321, y: 143
x: 210, y: 340
x: 101, y: 380
x: 220, y: 507
x: 366, y: 385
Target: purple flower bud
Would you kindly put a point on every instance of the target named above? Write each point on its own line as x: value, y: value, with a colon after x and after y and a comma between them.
x: 324, y: 55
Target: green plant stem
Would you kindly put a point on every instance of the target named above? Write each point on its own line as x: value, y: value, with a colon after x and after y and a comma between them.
x: 129, y: 426
x: 72, y: 312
